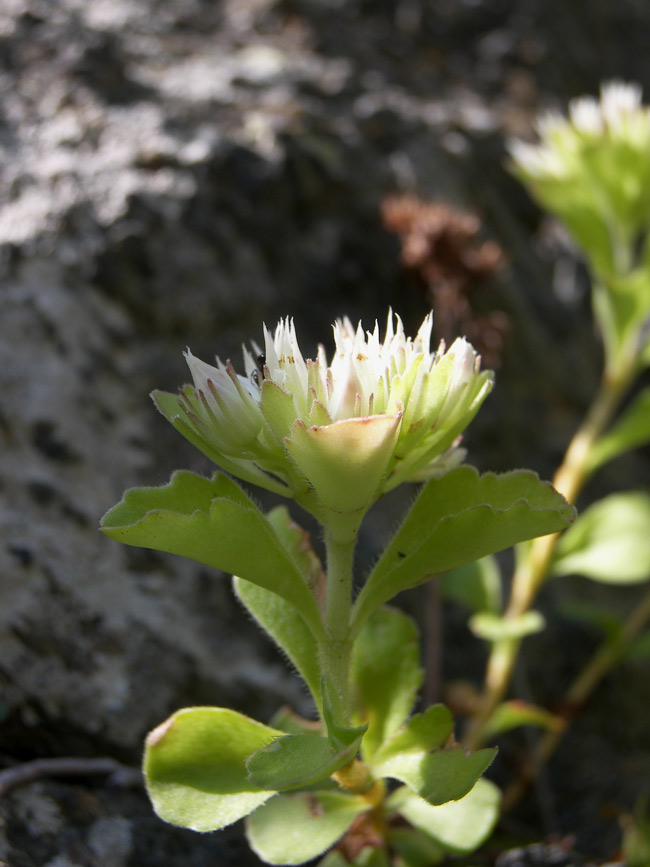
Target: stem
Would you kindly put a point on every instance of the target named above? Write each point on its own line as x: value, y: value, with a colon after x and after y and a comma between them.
x: 335, y: 649
x: 576, y: 696
x: 532, y: 568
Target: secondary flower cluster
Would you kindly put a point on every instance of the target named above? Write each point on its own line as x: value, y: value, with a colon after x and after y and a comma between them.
x: 334, y: 435
x: 592, y: 170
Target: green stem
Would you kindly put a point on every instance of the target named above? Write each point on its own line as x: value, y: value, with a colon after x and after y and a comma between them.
x: 532, y: 568
x: 336, y: 648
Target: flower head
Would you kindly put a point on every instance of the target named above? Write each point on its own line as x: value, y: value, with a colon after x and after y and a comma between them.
x: 592, y: 169
x: 335, y: 435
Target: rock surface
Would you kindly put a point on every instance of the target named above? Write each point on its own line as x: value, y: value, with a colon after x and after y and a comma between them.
x: 173, y: 173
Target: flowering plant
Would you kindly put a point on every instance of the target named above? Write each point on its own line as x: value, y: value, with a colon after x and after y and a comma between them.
x: 334, y: 436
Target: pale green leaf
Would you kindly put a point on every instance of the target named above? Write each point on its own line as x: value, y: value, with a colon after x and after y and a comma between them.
x: 610, y: 541
x: 459, y: 826
x: 630, y: 431
x: 514, y: 713
x: 422, y: 733
x: 385, y: 674
x: 475, y: 585
x: 458, y: 518
x: 492, y: 627
x: 214, y: 522
x: 195, y: 769
x: 292, y: 829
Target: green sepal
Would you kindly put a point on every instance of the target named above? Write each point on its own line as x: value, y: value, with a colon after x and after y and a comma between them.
x: 459, y: 826
x: 610, y: 542
x: 629, y: 432
x: 167, y: 404
x: 456, y: 519
x: 297, y: 761
x: 515, y: 713
x: 476, y: 585
x: 385, y: 673
x: 213, y: 522
x: 195, y: 771
x: 292, y: 829
x: 492, y: 627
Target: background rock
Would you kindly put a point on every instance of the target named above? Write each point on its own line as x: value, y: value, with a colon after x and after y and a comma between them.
x: 174, y: 172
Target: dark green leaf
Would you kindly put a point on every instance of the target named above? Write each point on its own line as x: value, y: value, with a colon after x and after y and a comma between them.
x: 297, y: 761
x: 476, y: 585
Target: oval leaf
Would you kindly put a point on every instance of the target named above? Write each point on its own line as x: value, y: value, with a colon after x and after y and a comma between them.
x: 610, y: 542
x: 195, y: 769
x: 458, y: 518
x: 459, y: 826
x: 213, y: 522
x: 292, y: 829
x: 385, y: 674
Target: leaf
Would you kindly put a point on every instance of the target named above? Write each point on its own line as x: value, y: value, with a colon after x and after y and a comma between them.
x: 286, y: 627
x: 441, y: 776
x: 458, y: 518
x: 290, y: 723
x: 610, y: 541
x: 514, y: 713
x: 415, y: 848
x: 422, y: 733
x: 296, y: 761
x: 491, y: 627
x: 475, y: 585
x: 630, y: 431
x: 459, y: 826
x: 340, y: 736
x: 604, y: 619
x: 292, y: 829
x: 195, y: 770
x: 213, y: 522
x: 385, y: 674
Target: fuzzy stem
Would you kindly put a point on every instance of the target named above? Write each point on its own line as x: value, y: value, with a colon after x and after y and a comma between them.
x: 533, y: 566
x: 336, y: 648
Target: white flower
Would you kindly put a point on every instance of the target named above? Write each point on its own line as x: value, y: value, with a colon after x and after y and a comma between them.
x: 335, y: 435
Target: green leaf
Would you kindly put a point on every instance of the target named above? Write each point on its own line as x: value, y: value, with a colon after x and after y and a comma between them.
x: 639, y: 648
x: 296, y: 761
x: 610, y: 542
x: 292, y: 829
x: 340, y: 736
x: 415, y: 848
x: 385, y: 674
x: 459, y: 826
x: 290, y: 723
x: 458, y: 518
x: 372, y: 856
x: 491, y: 627
x: 514, y: 713
x: 604, y: 619
x: 422, y: 733
x: 630, y: 431
x: 195, y: 770
x: 475, y: 585
x: 287, y: 628
x: 214, y: 522
x: 441, y: 776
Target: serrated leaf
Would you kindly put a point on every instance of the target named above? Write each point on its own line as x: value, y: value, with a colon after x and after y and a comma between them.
x: 459, y: 826
x: 458, y: 518
x: 491, y: 627
x: 213, y: 522
x: 282, y: 621
x: 514, y: 713
x: 422, y: 733
x: 296, y: 761
x: 630, y: 431
x: 292, y: 829
x: 476, y: 585
x: 441, y: 776
x: 385, y: 674
x: 610, y: 541
x: 195, y: 770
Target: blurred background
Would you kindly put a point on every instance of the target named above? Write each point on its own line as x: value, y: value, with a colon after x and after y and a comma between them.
x: 176, y: 172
